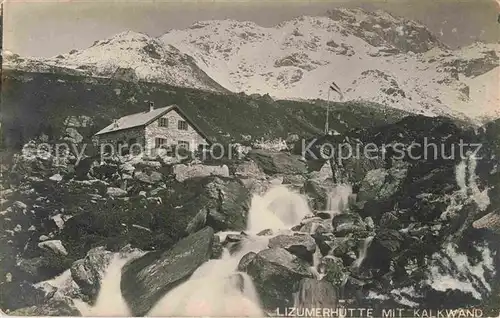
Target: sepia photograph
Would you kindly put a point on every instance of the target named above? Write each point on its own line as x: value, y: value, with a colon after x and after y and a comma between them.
x: 250, y: 158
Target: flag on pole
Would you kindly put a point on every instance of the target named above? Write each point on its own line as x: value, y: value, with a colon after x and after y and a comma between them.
x: 334, y: 87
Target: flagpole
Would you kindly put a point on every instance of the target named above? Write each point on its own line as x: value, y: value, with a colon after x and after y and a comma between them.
x: 327, y: 111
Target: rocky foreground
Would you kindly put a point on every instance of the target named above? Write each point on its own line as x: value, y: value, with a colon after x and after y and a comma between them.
x: 427, y: 227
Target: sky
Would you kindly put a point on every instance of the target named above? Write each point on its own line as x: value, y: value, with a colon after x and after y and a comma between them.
x: 47, y: 28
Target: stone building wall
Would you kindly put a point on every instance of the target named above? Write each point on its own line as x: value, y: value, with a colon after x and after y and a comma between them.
x: 172, y: 133
x: 124, y: 136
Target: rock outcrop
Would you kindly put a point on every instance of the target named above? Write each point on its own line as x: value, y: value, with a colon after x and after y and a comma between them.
x: 276, y: 274
x: 146, y: 279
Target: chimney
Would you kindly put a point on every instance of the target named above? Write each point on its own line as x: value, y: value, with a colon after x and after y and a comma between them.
x: 151, y: 106
x: 115, y: 123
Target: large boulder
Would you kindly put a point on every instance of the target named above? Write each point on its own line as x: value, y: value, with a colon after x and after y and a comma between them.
x: 333, y: 270
x: 347, y: 223
x: 146, y: 279
x: 15, y: 295
x: 276, y: 273
x: 358, y: 167
x: 315, y: 293
x: 183, y: 172
x: 113, y: 224
x: 322, y: 232
x: 221, y: 203
x: 44, y: 264
x: 88, y: 272
x: 318, y: 191
x: 381, y: 184
x: 86, y: 187
x: 234, y: 242
x: 301, y: 245
x: 251, y: 176
x: 489, y: 221
x: 116, y: 192
x: 245, y: 260
x: 149, y: 177
x: 281, y: 163
x: 54, y: 246
x: 53, y: 307
x: 158, y: 222
x: 386, y: 244
x: 248, y: 169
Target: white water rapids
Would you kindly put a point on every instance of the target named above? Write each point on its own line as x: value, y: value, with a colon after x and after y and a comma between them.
x: 362, y: 253
x: 216, y: 288
x: 338, y: 199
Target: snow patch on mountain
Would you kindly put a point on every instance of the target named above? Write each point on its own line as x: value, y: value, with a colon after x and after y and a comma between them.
x: 131, y: 56
x: 372, y: 56
x: 381, y: 29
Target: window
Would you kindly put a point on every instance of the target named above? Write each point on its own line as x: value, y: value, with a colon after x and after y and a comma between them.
x: 159, y: 142
x: 183, y: 144
x: 107, y: 149
x: 163, y: 122
x: 121, y: 147
x: 182, y: 125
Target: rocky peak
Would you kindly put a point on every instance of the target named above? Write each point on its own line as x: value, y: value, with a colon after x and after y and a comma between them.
x: 9, y: 55
x: 128, y: 36
x: 142, y: 57
x: 127, y: 40
x: 381, y: 28
x: 473, y: 60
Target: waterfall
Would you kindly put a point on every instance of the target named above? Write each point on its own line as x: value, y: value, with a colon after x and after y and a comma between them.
x: 460, y: 176
x: 279, y: 208
x: 314, y: 269
x: 217, y: 288
x: 338, y: 199
x: 109, y: 300
x: 480, y: 197
x: 362, y: 252
x: 466, y: 178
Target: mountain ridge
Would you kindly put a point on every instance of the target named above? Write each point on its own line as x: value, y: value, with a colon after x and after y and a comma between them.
x: 36, y: 104
x: 131, y: 56
x: 373, y: 56
x: 295, y: 68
